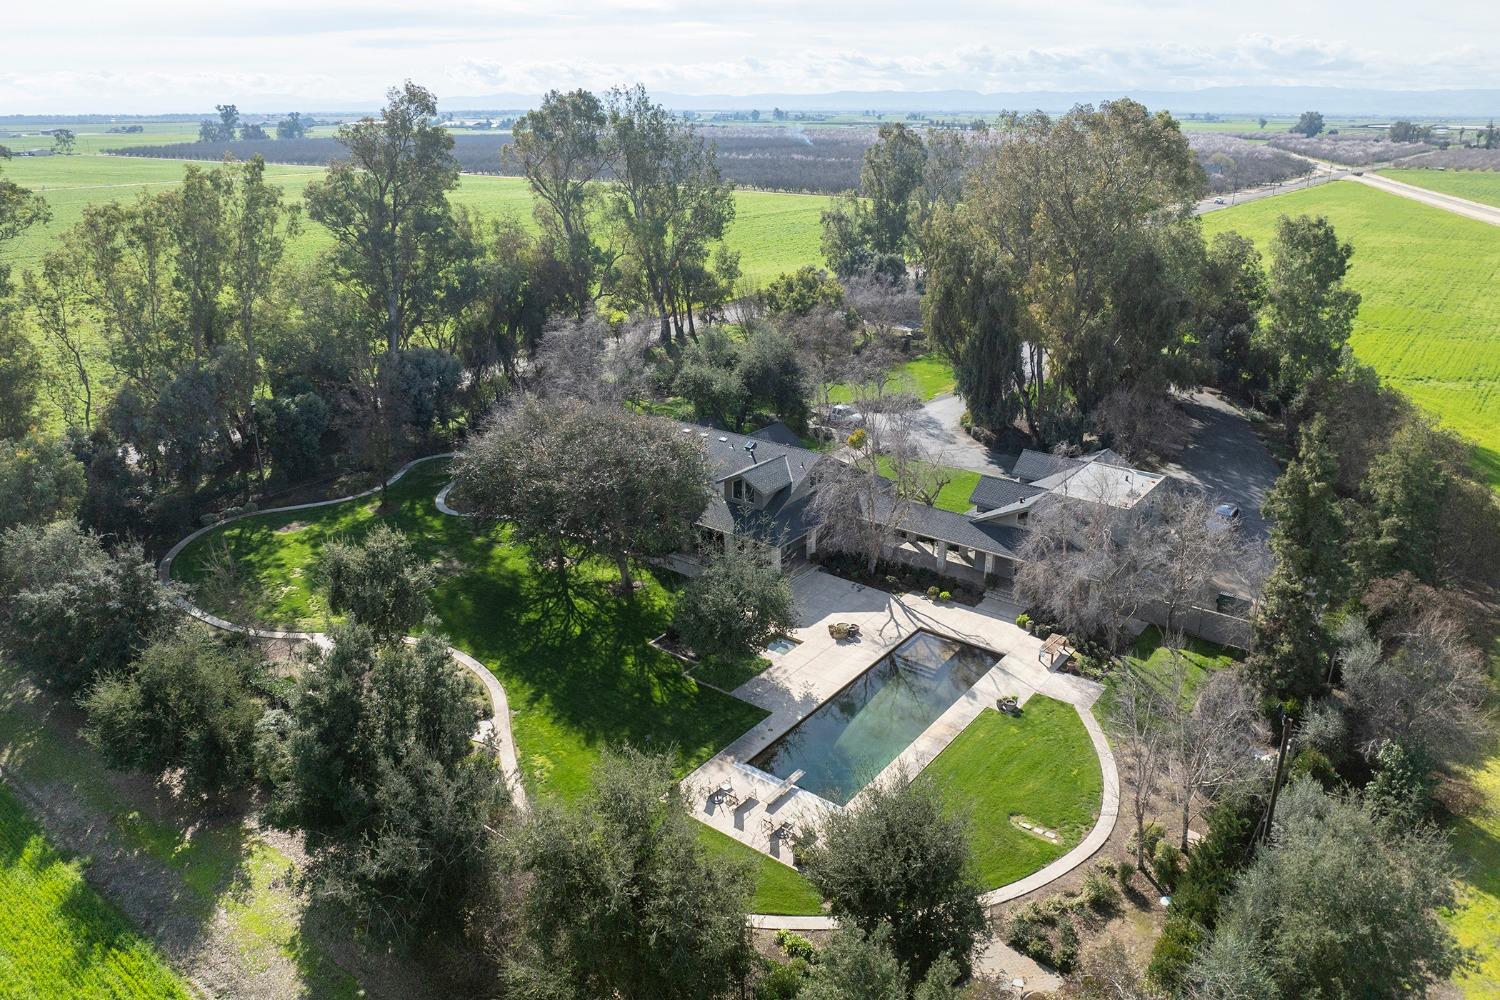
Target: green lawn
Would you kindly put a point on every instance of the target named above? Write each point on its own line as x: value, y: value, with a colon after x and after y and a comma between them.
x: 728, y: 674
x: 228, y: 873
x: 1153, y: 661
x: 1476, y: 844
x: 1476, y: 185
x: 779, y: 889
x: 1430, y: 319
x: 58, y: 937
x: 1041, y: 766
x: 575, y: 684
x: 956, y: 491
x: 772, y: 232
x: 927, y: 376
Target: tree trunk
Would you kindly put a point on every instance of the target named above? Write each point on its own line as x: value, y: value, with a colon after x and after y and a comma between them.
x: 627, y: 583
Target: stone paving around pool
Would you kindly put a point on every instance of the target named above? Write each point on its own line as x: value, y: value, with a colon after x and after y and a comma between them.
x: 804, y: 677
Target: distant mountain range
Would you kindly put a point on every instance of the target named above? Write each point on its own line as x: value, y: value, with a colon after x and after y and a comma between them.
x: 1332, y: 101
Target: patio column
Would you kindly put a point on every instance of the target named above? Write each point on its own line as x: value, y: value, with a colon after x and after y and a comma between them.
x: 989, y: 564
x: 812, y: 542
x: 776, y: 556
x: 941, y: 559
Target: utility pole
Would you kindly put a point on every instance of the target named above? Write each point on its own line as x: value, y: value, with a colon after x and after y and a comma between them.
x: 1264, y: 833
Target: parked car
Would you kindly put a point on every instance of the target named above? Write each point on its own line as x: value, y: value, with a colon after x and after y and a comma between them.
x: 1218, y: 201
x: 1225, y: 516
x: 844, y: 415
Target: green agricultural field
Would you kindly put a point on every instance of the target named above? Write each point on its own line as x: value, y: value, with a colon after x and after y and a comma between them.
x: 1430, y: 319
x: 58, y: 937
x: 576, y: 682
x: 772, y: 232
x: 1476, y: 185
x: 1041, y: 768
x: 227, y: 874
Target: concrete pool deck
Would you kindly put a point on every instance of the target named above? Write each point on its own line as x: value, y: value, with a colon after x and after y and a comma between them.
x: 818, y: 667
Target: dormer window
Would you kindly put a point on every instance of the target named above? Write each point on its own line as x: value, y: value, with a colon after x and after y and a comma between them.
x: 743, y: 491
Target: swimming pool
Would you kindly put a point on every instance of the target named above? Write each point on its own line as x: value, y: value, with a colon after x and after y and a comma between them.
x: 848, y: 740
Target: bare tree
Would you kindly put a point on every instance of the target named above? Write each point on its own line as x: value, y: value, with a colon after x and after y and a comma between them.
x: 864, y: 498
x: 1208, y: 746
x: 1088, y: 563
x: 1190, y: 548
x: 825, y: 342
x: 1140, y: 424
x: 1139, y: 715
x: 587, y: 360
x: 1426, y: 693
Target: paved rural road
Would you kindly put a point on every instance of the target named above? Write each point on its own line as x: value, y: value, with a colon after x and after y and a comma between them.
x: 1458, y: 206
x: 1226, y: 458
x: 1323, y: 173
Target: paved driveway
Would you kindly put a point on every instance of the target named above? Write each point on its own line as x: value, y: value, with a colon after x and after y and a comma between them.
x: 946, y: 441
x: 1226, y: 458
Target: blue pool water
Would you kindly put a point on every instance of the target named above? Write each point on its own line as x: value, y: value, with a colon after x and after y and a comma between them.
x: 847, y: 741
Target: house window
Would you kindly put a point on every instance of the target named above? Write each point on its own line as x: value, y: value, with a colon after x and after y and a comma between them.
x: 743, y: 491
x: 1021, y: 517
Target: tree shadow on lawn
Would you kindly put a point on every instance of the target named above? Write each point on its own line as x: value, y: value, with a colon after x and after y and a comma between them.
x: 581, y: 681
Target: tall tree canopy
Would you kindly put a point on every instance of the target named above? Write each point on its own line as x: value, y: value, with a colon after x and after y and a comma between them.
x: 570, y: 477
x: 623, y: 901
x: 563, y: 147
x: 668, y: 204
x: 1090, y: 216
x: 386, y: 205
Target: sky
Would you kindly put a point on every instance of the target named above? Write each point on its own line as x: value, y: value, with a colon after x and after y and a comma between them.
x: 145, y: 56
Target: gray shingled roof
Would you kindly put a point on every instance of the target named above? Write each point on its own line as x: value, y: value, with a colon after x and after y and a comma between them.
x: 778, y: 433
x: 769, y: 476
x: 993, y: 492
x: 777, y: 471
x: 955, y: 529
x: 1034, y: 465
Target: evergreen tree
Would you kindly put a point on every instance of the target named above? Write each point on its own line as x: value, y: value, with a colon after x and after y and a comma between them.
x: 1308, y: 534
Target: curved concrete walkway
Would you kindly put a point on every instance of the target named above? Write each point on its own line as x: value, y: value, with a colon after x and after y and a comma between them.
x: 497, y: 726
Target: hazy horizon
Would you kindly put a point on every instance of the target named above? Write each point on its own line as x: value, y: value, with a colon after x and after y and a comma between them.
x: 81, y: 56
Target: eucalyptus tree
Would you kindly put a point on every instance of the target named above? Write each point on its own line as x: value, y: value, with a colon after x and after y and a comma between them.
x: 386, y: 205
x: 563, y: 148
x: 669, y: 203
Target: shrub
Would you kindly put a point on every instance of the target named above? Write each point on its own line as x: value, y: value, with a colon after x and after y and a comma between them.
x: 1166, y: 861
x: 736, y: 604
x: 856, y: 440
x: 1173, y: 954
x: 932, y: 593
x: 1065, y: 949
x: 1124, y: 871
x: 796, y: 946
x: 945, y: 596
x: 1145, y: 843
x: 1099, y: 892
x: 781, y: 982
x: 1023, y: 620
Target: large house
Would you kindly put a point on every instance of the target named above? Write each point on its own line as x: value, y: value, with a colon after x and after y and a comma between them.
x: 764, y: 484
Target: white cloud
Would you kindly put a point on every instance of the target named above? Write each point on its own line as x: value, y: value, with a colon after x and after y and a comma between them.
x: 99, y: 55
